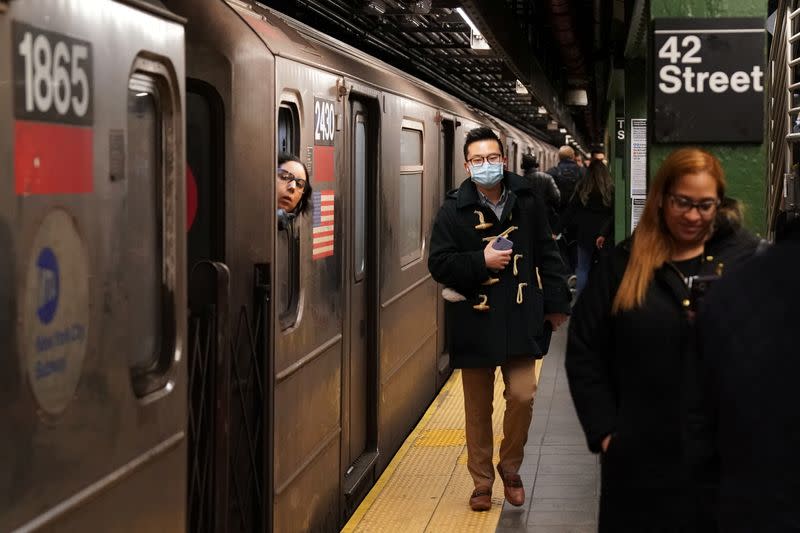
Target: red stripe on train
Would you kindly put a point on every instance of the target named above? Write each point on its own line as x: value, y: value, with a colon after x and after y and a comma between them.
x: 323, y: 165
x: 52, y: 158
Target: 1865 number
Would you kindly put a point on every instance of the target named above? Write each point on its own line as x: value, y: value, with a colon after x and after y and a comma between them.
x: 53, y: 74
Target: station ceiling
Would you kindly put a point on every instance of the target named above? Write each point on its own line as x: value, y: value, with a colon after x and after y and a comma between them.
x: 545, y: 44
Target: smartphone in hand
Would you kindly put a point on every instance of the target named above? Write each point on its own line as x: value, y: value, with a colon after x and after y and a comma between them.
x: 698, y: 287
x: 501, y: 243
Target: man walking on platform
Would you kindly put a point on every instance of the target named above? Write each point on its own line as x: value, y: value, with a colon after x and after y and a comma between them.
x: 492, y: 247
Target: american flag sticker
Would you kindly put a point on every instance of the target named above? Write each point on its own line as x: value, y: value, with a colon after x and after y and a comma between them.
x: 322, y: 243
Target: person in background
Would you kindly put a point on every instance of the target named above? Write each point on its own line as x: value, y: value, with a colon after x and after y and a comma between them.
x: 631, y: 356
x: 566, y: 175
x: 748, y: 345
x: 292, y: 188
x: 599, y: 155
x: 543, y: 185
x: 497, y: 302
x: 581, y: 164
x: 591, y: 213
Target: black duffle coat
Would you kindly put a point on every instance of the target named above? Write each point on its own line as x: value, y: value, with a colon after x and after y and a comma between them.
x: 634, y: 375
x: 511, y: 321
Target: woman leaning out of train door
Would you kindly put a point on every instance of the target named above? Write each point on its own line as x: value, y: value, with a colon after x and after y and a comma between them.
x: 631, y: 358
x: 292, y: 188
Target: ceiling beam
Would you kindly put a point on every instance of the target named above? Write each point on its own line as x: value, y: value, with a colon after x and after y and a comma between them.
x: 499, y: 27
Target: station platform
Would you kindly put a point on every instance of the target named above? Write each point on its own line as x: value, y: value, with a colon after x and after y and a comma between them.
x: 426, y: 487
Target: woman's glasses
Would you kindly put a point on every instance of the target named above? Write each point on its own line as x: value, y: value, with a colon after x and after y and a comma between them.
x: 285, y: 175
x: 682, y: 204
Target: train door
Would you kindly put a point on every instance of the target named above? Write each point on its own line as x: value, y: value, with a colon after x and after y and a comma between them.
x: 230, y: 129
x: 446, y: 163
x: 209, y: 279
x: 359, y: 395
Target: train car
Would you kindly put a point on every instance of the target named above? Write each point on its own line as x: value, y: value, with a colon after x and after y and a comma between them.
x: 308, y: 350
x: 93, y: 403
x: 783, y: 105
x: 336, y: 314
x: 348, y: 328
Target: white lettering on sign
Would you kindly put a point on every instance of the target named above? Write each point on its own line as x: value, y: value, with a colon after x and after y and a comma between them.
x: 324, y: 122
x: 55, y: 76
x: 674, y: 79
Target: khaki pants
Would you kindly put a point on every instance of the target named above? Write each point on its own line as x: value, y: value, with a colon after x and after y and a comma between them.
x: 520, y: 386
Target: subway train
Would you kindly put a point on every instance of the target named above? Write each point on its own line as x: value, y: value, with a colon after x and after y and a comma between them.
x: 177, y: 361
x: 783, y: 124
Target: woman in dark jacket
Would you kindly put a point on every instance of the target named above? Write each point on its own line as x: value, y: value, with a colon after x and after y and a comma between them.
x: 631, y: 359
x: 591, y: 212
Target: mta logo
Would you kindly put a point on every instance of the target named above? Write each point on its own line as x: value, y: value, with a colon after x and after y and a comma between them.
x: 47, y: 303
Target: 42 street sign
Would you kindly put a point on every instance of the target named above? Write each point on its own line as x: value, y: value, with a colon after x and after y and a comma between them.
x: 709, y: 80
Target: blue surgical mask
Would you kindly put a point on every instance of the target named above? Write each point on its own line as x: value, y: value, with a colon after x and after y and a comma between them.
x: 487, y: 175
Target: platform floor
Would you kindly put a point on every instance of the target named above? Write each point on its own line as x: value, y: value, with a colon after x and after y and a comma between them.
x: 560, y: 475
x: 426, y: 487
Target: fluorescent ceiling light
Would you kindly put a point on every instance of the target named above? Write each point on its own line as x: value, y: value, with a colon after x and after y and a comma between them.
x: 467, y: 20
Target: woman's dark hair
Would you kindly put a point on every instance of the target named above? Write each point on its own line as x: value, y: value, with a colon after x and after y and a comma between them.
x: 597, y: 179
x: 304, y: 204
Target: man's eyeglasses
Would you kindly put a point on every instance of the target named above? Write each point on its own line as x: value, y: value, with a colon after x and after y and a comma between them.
x: 479, y: 160
x: 285, y: 175
x: 683, y: 205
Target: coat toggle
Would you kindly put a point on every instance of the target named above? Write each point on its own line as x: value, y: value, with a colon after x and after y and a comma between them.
x: 482, y: 306
x: 519, y: 292
x: 482, y: 224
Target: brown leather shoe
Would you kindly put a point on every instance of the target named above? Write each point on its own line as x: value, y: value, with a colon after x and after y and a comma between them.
x: 512, y: 486
x: 481, y: 499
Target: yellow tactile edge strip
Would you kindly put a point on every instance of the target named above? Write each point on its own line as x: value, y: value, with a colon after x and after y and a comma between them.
x: 386, y: 475
x: 417, y: 438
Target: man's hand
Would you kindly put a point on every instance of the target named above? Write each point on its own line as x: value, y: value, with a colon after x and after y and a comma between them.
x: 496, y: 259
x: 605, y: 443
x: 556, y: 319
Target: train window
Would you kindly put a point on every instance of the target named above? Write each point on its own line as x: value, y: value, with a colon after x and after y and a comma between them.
x: 512, y: 157
x: 288, y: 129
x: 410, y: 193
x: 288, y: 243
x: 360, y: 148
x: 145, y: 255
x: 288, y: 272
x: 149, y: 247
x: 149, y: 250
